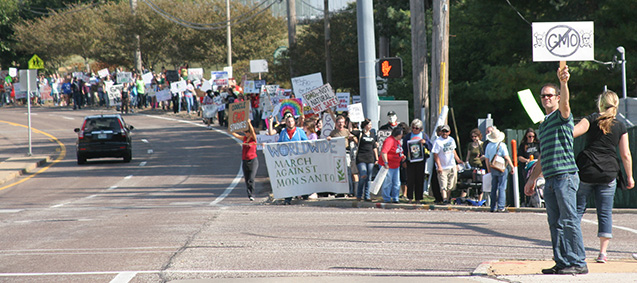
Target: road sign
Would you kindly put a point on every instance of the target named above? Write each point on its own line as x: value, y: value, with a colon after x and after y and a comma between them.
x: 36, y: 63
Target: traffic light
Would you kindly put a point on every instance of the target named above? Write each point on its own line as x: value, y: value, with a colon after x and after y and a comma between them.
x: 390, y: 67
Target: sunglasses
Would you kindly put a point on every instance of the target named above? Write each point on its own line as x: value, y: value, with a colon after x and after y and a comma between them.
x: 547, y: 95
x: 530, y: 136
x: 445, y: 131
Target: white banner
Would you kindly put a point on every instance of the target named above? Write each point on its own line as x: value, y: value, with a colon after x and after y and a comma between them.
x: 124, y: 77
x: 258, y: 66
x: 307, y: 167
x: 195, y: 74
x: 304, y: 84
x: 114, y: 93
x: 262, y: 139
x: 148, y: 78
x: 179, y: 86
x: 563, y: 41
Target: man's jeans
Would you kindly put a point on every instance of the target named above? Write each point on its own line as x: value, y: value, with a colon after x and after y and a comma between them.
x: 560, y: 197
x: 498, y: 189
x: 604, y: 198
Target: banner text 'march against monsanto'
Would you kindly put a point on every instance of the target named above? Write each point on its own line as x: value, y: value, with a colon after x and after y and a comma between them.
x: 306, y: 167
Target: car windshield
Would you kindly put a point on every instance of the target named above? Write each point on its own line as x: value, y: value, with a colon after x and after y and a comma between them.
x: 102, y: 124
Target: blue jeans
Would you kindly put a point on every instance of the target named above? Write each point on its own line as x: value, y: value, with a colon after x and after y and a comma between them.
x: 391, y: 185
x: 560, y: 197
x: 498, y: 189
x: 604, y: 198
x: 189, y: 103
x: 364, y: 171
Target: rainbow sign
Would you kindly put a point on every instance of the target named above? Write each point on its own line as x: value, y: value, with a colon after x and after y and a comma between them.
x: 292, y: 105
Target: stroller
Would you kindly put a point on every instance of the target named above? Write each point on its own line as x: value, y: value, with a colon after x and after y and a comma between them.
x: 470, y: 180
x: 537, y: 199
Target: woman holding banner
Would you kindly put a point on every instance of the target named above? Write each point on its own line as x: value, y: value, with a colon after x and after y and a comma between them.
x: 250, y: 162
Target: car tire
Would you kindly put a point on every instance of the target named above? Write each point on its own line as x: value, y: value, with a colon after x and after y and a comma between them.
x: 81, y: 159
x: 128, y: 157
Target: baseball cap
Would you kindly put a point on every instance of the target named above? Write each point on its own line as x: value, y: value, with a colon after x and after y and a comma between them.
x: 391, y: 113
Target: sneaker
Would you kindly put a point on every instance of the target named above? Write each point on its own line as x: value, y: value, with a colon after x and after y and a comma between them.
x: 574, y: 270
x: 601, y: 258
x: 553, y: 270
x: 251, y: 199
x: 503, y: 210
x: 635, y: 256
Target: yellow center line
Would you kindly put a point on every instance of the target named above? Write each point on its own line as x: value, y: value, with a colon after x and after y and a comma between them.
x: 58, y: 159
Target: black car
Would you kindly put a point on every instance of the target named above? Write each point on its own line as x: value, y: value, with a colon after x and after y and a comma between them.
x: 104, y: 136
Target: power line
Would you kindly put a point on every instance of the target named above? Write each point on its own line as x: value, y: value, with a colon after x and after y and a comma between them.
x: 209, y: 26
x: 66, y: 10
x: 516, y: 10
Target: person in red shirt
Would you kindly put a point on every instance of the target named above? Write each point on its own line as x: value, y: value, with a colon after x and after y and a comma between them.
x: 391, y: 156
x: 250, y: 162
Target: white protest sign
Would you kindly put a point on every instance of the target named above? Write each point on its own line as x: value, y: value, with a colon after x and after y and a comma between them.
x: 530, y: 105
x: 13, y: 72
x: 163, y: 95
x: 206, y: 86
x: 195, y: 74
x: 355, y: 112
x: 124, y: 77
x: 306, y: 83
x: 148, y: 78
x: 178, y: 86
x: 343, y: 101
x: 209, y: 110
x: 103, y: 73
x: 261, y: 139
x: 218, y: 75
x: 114, y: 93
x: 258, y: 66
x: 78, y: 75
x: 228, y: 71
x: 328, y: 125
x: 320, y: 99
x: 563, y: 41
x: 19, y: 93
x: 249, y: 87
x: 307, y: 167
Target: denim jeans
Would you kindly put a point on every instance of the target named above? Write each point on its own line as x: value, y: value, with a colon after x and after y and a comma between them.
x: 189, y: 103
x: 364, y: 171
x: 391, y: 185
x: 498, y: 189
x: 604, y: 198
x: 560, y: 197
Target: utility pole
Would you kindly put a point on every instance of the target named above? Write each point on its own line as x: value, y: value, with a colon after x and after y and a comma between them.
x: 228, y: 34
x: 328, y: 42
x: 439, y: 59
x: 138, y: 48
x: 419, y: 61
x: 291, y: 30
x: 367, y: 59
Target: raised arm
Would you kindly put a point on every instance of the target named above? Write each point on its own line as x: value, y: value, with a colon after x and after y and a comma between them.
x: 563, y: 75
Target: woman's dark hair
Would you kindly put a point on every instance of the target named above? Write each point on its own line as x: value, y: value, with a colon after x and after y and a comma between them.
x: 365, y: 123
x: 397, y: 131
x: 525, y: 139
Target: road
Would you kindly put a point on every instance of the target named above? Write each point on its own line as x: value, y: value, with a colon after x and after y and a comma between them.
x: 179, y: 211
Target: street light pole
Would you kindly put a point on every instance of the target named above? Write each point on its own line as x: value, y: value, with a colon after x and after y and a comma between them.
x: 622, y: 51
x: 228, y: 34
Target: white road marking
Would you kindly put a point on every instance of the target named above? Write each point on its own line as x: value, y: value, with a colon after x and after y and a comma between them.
x: 236, y: 180
x: 128, y: 177
x: 124, y: 277
x: 143, y: 163
x: 111, y: 188
x: 144, y: 140
x: 60, y: 205
x: 634, y: 231
x: 150, y: 151
x: 11, y: 210
x: 68, y: 118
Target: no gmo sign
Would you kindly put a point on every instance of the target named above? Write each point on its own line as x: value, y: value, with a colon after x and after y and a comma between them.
x: 563, y: 41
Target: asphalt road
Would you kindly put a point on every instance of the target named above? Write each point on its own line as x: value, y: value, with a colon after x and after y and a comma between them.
x: 179, y: 211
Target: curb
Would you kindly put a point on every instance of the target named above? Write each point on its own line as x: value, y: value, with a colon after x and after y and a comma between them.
x: 14, y: 167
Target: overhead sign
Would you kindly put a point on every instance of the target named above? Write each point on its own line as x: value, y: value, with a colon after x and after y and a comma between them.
x: 258, y: 66
x: 36, y: 63
x: 563, y: 41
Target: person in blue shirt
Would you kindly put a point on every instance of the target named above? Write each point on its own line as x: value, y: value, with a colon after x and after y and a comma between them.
x: 291, y: 133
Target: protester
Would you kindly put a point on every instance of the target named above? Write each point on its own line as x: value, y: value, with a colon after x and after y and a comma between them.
x: 557, y: 162
x: 445, y: 158
x: 125, y: 99
x: 391, y: 157
x: 598, y: 165
x: 529, y: 148
x: 291, y: 133
x: 341, y: 130
x: 366, y: 157
x: 498, y: 178
x: 250, y: 162
x: 417, y: 154
x: 309, y: 126
x: 475, y: 151
x: 208, y: 116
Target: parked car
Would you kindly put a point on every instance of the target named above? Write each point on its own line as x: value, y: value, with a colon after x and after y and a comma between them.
x: 104, y: 136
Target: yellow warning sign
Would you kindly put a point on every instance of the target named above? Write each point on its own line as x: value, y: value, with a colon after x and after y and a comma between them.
x: 36, y: 63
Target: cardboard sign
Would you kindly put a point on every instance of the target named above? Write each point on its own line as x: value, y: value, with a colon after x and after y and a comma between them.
x: 304, y: 84
x: 563, y: 41
x: 258, y: 66
x: 355, y: 112
x: 148, y: 78
x: 320, y: 99
x: 343, y: 101
x: 163, y: 95
x: 124, y: 77
x: 103, y: 73
x: 13, y: 72
x: 238, y: 115
x: 114, y: 93
x: 307, y: 167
